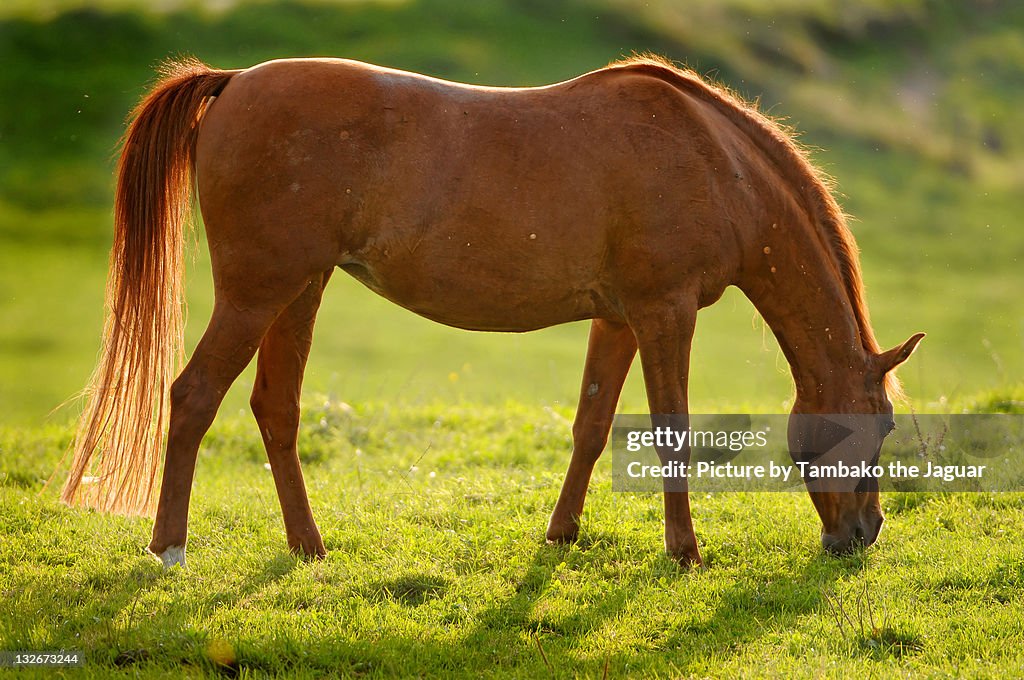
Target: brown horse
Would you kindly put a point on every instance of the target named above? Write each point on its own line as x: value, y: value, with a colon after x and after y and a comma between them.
x: 632, y: 196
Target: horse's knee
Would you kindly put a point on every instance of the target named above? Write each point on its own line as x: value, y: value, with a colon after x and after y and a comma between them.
x: 588, y: 440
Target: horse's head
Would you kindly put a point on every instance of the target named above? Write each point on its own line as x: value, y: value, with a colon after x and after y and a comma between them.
x: 837, y: 439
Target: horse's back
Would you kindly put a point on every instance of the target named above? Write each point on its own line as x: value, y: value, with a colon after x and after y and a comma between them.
x: 444, y: 197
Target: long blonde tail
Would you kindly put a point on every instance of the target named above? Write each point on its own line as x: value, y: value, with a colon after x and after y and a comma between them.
x: 120, y: 436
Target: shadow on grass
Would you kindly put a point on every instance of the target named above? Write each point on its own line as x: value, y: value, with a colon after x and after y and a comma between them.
x: 515, y: 636
x: 743, y: 613
x: 99, y: 613
x: 411, y: 590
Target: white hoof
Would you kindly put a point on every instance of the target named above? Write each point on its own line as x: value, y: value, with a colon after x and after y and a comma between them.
x: 172, y: 556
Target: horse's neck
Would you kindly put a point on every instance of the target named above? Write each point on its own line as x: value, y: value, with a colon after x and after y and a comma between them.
x: 798, y: 290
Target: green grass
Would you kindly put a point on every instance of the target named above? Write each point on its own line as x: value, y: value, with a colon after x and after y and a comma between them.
x: 441, y: 570
x: 433, y: 515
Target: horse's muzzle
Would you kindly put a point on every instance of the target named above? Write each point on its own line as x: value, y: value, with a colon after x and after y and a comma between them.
x: 861, y: 534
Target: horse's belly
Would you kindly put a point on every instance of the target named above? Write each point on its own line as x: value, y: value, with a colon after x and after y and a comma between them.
x: 481, y: 298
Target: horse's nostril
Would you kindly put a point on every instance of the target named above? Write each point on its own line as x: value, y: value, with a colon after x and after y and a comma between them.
x: 874, y: 527
x: 858, y: 533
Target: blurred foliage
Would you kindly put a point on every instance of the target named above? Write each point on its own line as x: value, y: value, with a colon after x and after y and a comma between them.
x: 912, y: 104
x: 939, y: 79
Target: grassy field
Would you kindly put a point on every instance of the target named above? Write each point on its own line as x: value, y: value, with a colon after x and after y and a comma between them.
x: 434, y: 456
x: 434, y: 518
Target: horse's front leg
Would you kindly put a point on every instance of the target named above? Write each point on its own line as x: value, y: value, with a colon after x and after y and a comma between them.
x: 664, y: 333
x: 609, y: 354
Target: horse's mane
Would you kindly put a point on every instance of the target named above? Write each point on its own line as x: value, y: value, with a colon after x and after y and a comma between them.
x: 778, y: 142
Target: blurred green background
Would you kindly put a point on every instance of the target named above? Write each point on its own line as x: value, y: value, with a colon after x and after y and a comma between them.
x: 913, y: 105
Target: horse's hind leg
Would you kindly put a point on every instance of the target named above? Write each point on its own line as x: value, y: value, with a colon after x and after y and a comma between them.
x: 275, y: 403
x: 610, y: 352
x: 227, y: 346
x: 664, y: 334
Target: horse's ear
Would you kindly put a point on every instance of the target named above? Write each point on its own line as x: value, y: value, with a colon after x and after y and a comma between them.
x: 890, y: 359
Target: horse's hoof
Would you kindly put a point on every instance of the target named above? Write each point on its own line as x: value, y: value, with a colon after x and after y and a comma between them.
x: 310, y: 553
x: 562, y: 532
x: 172, y: 556
x: 687, y: 560
x: 561, y: 537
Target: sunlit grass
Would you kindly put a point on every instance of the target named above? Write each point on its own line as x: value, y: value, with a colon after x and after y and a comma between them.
x: 433, y: 514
